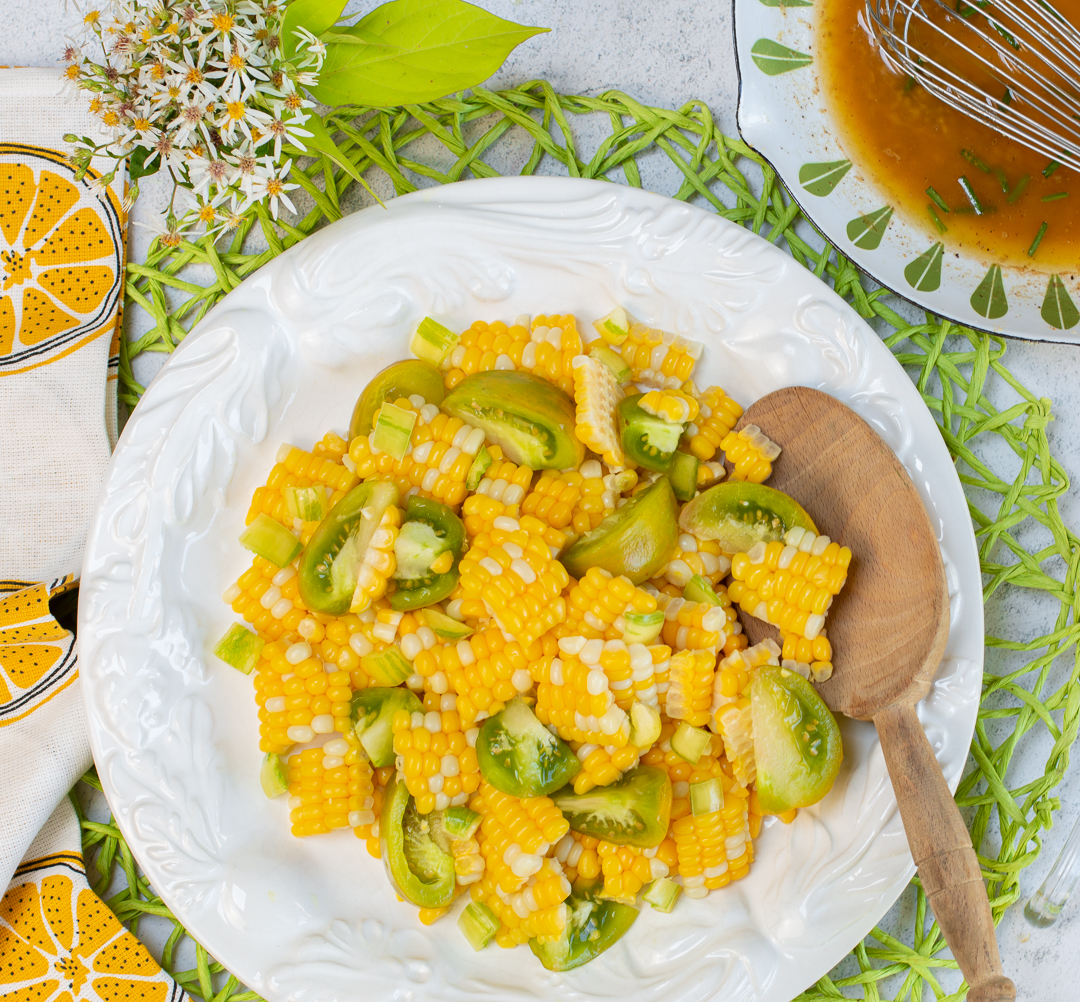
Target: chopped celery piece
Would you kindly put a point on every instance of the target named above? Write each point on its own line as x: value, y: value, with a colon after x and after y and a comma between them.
x: 662, y: 894
x: 273, y: 776
x: 706, y: 797
x: 644, y: 725
x: 687, y: 742
x: 698, y: 589
x: 445, y: 627
x: 460, y: 822
x: 393, y: 430
x: 612, y: 359
x: 306, y: 503
x: 479, y: 467
x: 388, y: 668
x: 683, y: 475
x: 239, y: 648
x: 478, y: 925
x: 615, y: 327
x: 432, y: 342
x: 642, y: 627
x: 271, y: 541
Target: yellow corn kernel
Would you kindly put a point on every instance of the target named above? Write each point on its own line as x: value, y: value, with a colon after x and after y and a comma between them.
x: 327, y: 791
x: 692, y: 556
x: 751, y: 452
x: 690, y: 687
x: 719, y: 414
x: 659, y: 358
x: 714, y: 849
x: 672, y: 406
x: 554, y: 343
x: 316, y: 469
x: 435, y: 755
x: 484, y: 347
x: 596, y: 604
x: 693, y: 625
x: 379, y: 562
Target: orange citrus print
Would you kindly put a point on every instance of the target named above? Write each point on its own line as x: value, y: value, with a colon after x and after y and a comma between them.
x: 37, y: 655
x: 59, y: 942
x: 61, y: 255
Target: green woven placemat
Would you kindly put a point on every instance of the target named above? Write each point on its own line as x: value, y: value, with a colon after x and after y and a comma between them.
x: 956, y: 369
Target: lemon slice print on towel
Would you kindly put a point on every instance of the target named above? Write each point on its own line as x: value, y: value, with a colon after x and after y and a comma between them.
x: 61, y: 255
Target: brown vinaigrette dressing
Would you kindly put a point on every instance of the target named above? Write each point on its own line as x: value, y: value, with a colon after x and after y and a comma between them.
x: 906, y: 141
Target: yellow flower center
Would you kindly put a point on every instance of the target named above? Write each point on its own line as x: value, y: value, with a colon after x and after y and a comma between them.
x: 158, y: 71
x: 72, y: 72
x: 95, y: 105
x: 274, y: 187
x: 236, y: 110
x: 171, y: 239
x: 236, y: 61
x: 141, y: 123
x: 111, y: 118
x: 173, y: 29
x: 92, y: 17
x: 194, y: 76
x: 223, y: 22
x: 292, y: 102
x: 207, y: 214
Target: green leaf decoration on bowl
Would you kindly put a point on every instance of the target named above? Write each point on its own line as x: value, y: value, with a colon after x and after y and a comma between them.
x: 1058, y: 309
x: 773, y: 58
x: 924, y: 273
x: 866, y: 231
x: 989, y: 299
x: 820, y: 179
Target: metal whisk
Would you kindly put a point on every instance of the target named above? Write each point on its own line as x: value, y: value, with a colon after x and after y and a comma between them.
x: 1026, y: 46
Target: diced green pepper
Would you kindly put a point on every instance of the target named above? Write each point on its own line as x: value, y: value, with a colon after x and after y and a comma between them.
x: 478, y: 924
x: 797, y: 743
x: 662, y: 894
x: 305, y: 503
x: 520, y: 756
x: 706, y: 796
x: 389, y: 667
x: 446, y: 627
x: 270, y: 540
x: 393, y: 430
x: 531, y: 419
x: 331, y: 560
x: 432, y: 342
x: 460, y: 822
x: 698, y: 589
x: 689, y: 742
x: 273, y: 776
x: 373, y: 717
x: 634, y: 810
x: 593, y: 924
x: 739, y: 514
x: 684, y: 474
x: 635, y: 540
x: 239, y: 648
x: 647, y: 440
x: 402, y: 379
x: 430, y: 530
x: 416, y: 863
x: 613, y: 360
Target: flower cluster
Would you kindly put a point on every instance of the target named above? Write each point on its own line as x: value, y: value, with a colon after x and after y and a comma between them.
x: 199, y: 88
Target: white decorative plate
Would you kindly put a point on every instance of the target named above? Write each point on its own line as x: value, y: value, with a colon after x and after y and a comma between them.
x: 784, y: 115
x: 282, y: 358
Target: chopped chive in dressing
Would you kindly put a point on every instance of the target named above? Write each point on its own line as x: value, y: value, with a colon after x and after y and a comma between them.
x: 937, y: 199
x: 941, y: 227
x: 1038, y: 240
x: 1056, y: 197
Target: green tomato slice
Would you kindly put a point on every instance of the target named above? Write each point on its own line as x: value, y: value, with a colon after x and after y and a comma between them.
x: 373, y: 712
x: 402, y: 379
x: 531, y: 419
x: 430, y: 529
x: 330, y: 563
x: 796, y: 740
x: 416, y: 862
x: 740, y: 514
x: 592, y: 926
x: 635, y: 810
x: 647, y: 440
x: 635, y: 540
x: 520, y: 756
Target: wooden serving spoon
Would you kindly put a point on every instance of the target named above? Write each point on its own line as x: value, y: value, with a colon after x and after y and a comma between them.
x: 888, y: 628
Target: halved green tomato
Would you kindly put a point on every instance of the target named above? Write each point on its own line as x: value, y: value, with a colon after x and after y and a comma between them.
x: 647, y: 440
x: 635, y: 540
x: 402, y: 379
x: 330, y: 563
x: 592, y: 925
x: 430, y: 530
x: 530, y: 418
x: 416, y: 862
x: 796, y: 741
x: 520, y: 756
x: 373, y: 712
x: 635, y: 810
x: 739, y: 514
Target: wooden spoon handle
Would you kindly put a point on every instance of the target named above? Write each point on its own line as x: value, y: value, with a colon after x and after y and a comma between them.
x: 941, y: 847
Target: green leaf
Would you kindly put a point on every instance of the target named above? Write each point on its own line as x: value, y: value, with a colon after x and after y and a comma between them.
x: 773, y: 58
x: 316, y: 16
x: 866, y: 231
x: 137, y: 164
x: 820, y: 179
x: 989, y: 300
x: 322, y: 142
x: 411, y: 51
x: 1058, y: 309
x: 924, y: 273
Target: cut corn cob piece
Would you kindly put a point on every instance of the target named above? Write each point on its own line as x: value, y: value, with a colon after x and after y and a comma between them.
x: 267, y: 597
x: 325, y: 792
x: 436, y: 756
x: 554, y: 498
x: 379, y: 561
x: 730, y: 711
x: 535, y: 911
x: 790, y: 584
x: 626, y: 870
x: 659, y: 358
x: 574, y: 695
x: 602, y: 766
x: 484, y: 347
x: 513, y: 572
x: 696, y: 556
x: 596, y: 605
x: 810, y: 658
x: 554, y: 343
x: 751, y: 452
x: 441, y: 450
x: 714, y: 849
x: 315, y: 469
x: 679, y: 770
x: 697, y: 626
x: 597, y: 394
x: 718, y: 415
x: 690, y: 687
x: 672, y: 406
x: 368, y: 830
x: 468, y: 861
x: 331, y: 446
x: 485, y: 670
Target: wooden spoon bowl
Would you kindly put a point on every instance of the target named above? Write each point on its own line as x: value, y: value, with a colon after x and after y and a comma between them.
x: 888, y: 629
